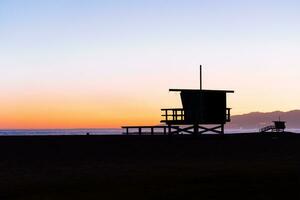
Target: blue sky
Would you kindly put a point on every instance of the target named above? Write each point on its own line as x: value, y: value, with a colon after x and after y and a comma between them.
x: 96, y: 52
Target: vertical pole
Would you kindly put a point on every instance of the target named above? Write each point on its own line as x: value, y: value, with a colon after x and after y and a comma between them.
x: 228, y: 116
x: 166, y: 111
x: 173, y: 114
x: 196, y: 129
x: 222, y: 129
x: 200, y: 77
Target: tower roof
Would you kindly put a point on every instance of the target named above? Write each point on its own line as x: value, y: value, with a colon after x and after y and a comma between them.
x: 197, y: 90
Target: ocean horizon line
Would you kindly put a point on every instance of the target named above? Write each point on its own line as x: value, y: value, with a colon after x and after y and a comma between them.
x: 99, y: 131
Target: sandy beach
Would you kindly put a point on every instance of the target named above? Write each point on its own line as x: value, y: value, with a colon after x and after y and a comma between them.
x: 247, y: 166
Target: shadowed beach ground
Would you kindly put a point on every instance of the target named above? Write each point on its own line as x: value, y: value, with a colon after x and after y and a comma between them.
x: 248, y: 166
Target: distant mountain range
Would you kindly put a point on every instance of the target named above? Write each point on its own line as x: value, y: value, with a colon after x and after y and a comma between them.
x: 256, y: 120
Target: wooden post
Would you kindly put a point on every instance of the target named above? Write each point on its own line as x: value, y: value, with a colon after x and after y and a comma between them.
x: 196, y: 129
x: 127, y: 131
x: 177, y: 131
x: 169, y: 129
x: 165, y: 130
x: 228, y: 117
x: 140, y: 131
x: 173, y: 115
x: 222, y: 129
x: 166, y: 111
x: 152, y: 131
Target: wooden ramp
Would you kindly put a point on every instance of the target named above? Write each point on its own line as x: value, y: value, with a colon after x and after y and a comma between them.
x: 267, y: 128
x: 271, y: 129
x: 150, y: 130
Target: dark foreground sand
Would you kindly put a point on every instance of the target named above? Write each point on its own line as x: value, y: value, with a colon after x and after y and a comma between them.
x: 145, y: 167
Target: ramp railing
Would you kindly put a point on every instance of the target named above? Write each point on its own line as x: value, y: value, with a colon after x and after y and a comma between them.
x: 267, y: 128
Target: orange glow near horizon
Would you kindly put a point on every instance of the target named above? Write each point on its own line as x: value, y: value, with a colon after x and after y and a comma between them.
x: 105, y: 105
x: 51, y: 114
x: 71, y: 119
x: 45, y: 112
x: 110, y: 108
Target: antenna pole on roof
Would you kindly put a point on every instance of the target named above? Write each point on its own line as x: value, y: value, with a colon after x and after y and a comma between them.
x: 200, y: 77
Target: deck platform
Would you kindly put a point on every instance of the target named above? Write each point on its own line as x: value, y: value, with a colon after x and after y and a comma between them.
x: 150, y: 130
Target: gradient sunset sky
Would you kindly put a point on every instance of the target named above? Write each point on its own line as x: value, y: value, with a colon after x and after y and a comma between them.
x: 94, y: 63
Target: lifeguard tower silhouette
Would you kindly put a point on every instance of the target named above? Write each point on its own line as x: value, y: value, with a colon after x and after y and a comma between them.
x: 279, y: 126
x: 202, y: 111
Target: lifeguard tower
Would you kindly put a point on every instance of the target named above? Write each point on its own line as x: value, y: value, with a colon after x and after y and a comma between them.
x: 202, y: 111
x: 279, y: 126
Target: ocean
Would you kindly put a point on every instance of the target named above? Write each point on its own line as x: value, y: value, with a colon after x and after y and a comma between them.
x: 100, y: 131
x: 31, y: 132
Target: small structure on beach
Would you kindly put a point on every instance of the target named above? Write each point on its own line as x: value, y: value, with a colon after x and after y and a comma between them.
x: 278, y: 126
x: 202, y: 111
